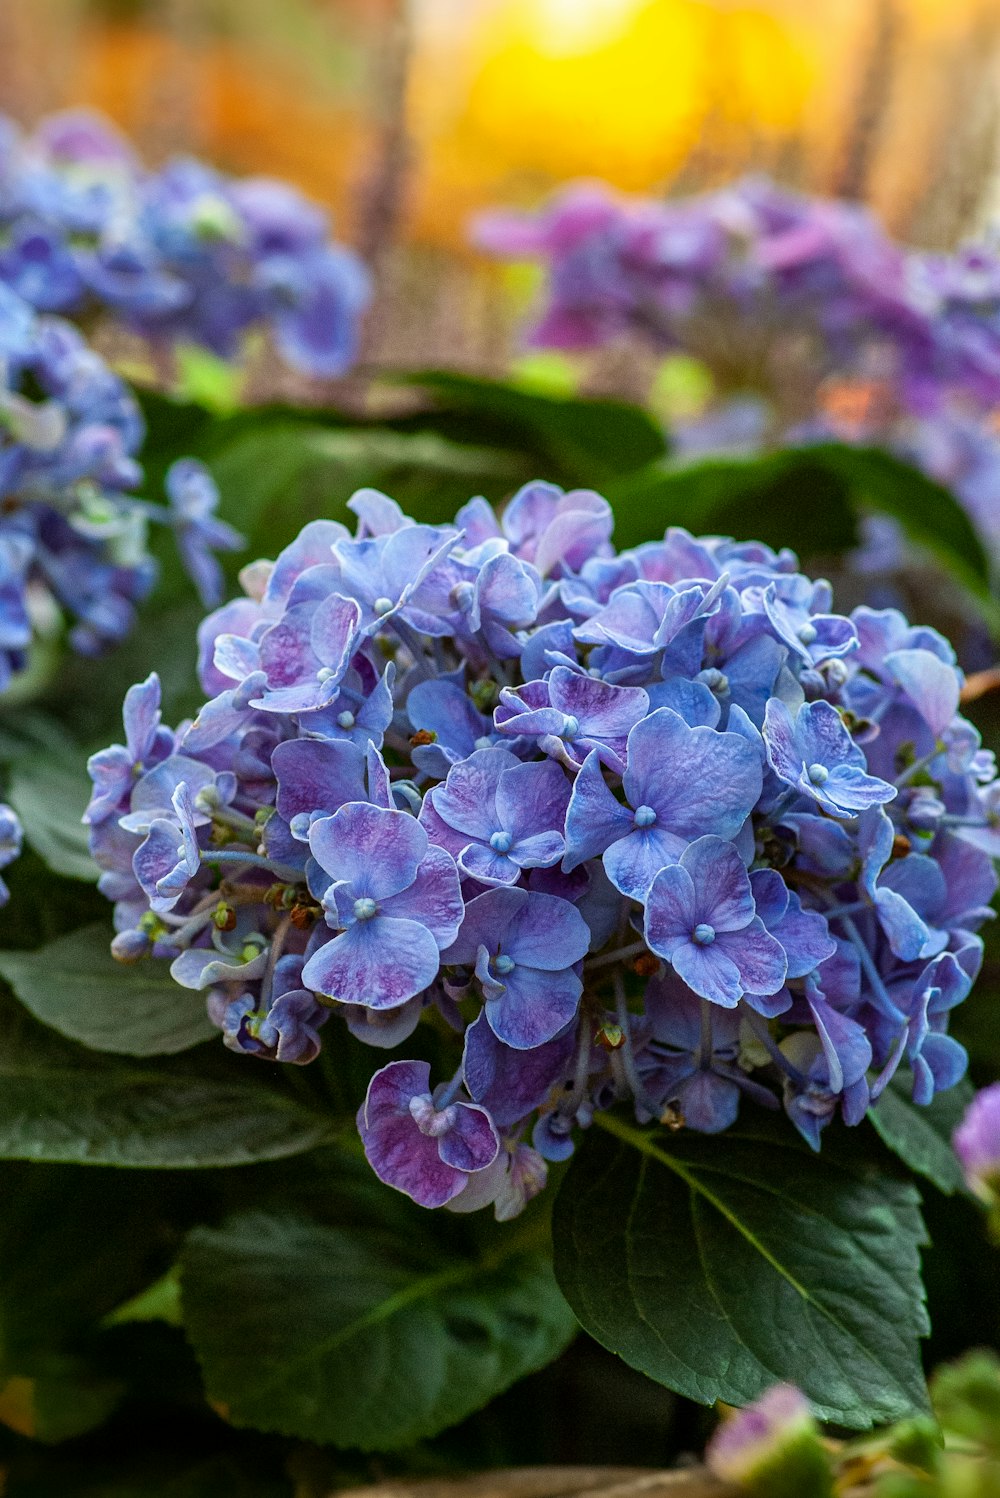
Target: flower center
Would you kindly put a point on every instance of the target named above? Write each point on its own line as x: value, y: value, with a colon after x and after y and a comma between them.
x: 483, y: 742
x: 462, y: 595
x: 382, y: 606
x: 807, y: 633
x: 500, y: 842
x: 716, y: 681
x: 325, y: 673
x: 431, y: 1121
x: 818, y: 774
x: 643, y: 816
x: 364, y: 908
x: 504, y: 964
x: 345, y: 720
x: 571, y: 726
x: 703, y: 934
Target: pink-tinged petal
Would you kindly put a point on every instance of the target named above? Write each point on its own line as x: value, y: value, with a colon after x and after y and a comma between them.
x: 311, y: 547
x: 410, y: 1161
x: 722, y: 884
x: 471, y: 1143
x: 317, y: 775
x: 709, y: 972
x: 335, y: 632
x: 512, y: 1083
x: 758, y: 957
x: 286, y: 654
x: 374, y: 850
x: 534, y: 1007
x: 603, y: 710
x: 379, y: 963
x: 671, y: 909
x: 434, y: 899
x: 391, y: 1088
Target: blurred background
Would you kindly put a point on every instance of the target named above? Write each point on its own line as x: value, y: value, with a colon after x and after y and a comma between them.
x: 407, y: 116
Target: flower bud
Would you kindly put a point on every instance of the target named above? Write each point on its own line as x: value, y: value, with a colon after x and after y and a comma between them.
x: 773, y: 1448
x: 977, y: 1144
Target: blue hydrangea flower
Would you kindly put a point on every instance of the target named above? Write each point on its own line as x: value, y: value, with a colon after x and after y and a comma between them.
x: 679, y: 783
x: 11, y: 838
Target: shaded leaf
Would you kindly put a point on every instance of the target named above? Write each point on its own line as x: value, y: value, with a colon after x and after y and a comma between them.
x: 77, y: 987
x: 719, y: 1267
x: 61, y: 1103
x: 362, y: 1335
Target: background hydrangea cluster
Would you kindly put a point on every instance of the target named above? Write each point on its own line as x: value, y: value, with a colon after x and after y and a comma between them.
x: 812, y: 321
x: 654, y: 825
x: 73, y: 533
x: 183, y: 254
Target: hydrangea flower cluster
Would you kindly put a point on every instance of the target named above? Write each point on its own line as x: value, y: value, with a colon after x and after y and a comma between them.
x: 813, y: 322
x: 182, y: 254
x: 656, y: 825
x: 72, y: 534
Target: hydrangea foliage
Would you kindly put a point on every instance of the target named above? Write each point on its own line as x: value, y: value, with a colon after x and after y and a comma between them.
x: 812, y: 321
x: 655, y: 827
x: 183, y: 254
x: 73, y: 533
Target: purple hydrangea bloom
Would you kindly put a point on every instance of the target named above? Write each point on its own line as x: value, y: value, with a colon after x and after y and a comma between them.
x: 675, y: 786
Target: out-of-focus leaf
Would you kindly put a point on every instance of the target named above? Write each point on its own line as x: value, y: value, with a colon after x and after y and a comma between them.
x: 61, y: 1103
x: 49, y: 789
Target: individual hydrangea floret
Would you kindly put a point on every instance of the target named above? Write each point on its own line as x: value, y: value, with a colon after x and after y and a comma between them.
x: 180, y: 255
x: 668, y: 846
x: 977, y: 1144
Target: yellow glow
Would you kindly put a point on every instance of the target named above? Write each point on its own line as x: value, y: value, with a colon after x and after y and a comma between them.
x: 561, y: 28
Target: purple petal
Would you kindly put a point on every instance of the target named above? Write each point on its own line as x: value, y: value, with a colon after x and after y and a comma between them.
x: 759, y: 959
x: 671, y: 910
x: 535, y: 1005
x: 317, y: 776
x: 721, y: 882
x: 471, y: 1143
x: 434, y: 898
x: 379, y: 963
x: 376, y: 851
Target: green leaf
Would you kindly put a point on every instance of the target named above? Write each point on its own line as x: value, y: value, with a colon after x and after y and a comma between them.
x: 921, y: 1137
x: 61, y: 1103
x: 49, y: 789
x: 77, y: 987
x: 587, y: 441
x: 160, y: 1301
x: 721, y: 1266
x: 366, y: 1334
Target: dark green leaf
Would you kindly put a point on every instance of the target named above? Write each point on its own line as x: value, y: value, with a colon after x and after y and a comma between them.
x: 366, y: 1335
x: 77, y: 987
x: 61, y: 1103
x: 579, y: 440
x: 721, y: 1266
x: 921, y: 1137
